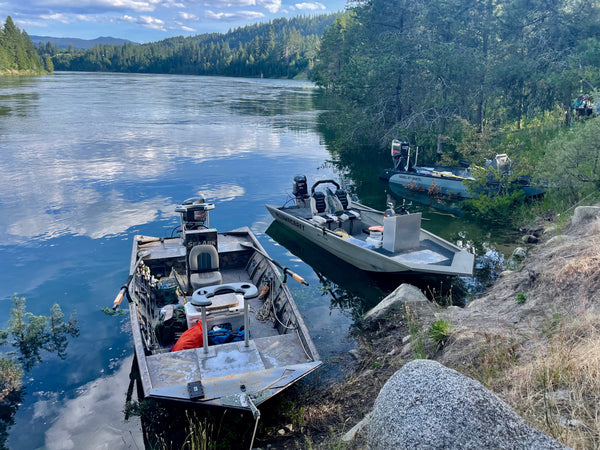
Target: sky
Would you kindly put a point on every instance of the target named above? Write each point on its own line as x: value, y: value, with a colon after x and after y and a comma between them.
x: 151, y: 20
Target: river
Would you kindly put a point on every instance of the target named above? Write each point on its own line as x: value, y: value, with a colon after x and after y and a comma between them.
x: 91, y: 159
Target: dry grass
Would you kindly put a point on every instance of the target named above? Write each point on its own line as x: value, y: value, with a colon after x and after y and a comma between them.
x: 557, y: 388
x: 585, y: 264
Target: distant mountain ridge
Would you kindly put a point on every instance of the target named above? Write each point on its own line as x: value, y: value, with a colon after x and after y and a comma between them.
x: 79, y: 44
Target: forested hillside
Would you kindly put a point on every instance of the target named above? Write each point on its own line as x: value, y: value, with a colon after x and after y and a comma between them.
x: 281, y: 48
x: 17, y: 52
x: 448, y: 74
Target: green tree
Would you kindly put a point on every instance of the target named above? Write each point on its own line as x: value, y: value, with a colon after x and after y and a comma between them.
x: 420, y: 69
x: 17, y: 52
x: 48, y: 64
x: 572, y: 160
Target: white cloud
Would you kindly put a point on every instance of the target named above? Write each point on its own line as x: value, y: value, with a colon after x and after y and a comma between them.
x: 133, y: 5
x: 239, y: 15
x: 187, y: 16
x: 146, y: 21
x: 56, y: 17
x: 221, y: 4
x: 86, y: 18
x: 271, y: 5
x: 310, y: 6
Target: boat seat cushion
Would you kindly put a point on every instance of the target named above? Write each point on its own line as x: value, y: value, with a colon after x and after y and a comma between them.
x: 200, y: 279
x: 318, y: 203
x: 204, y: 266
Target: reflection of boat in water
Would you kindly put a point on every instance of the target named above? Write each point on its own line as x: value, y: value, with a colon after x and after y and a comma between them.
x: 453, y: 182
x: 369, y: 239
x: 439, y: 202
x: 203, y: 286
x: 351, y: 287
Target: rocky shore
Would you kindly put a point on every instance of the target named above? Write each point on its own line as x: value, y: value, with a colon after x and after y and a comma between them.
x: 530, y: 339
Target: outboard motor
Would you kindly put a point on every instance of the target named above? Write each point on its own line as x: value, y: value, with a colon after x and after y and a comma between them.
x: 400, y: 154
x: 300, y: 188
x: 194, y: 213
x: 194, y: 222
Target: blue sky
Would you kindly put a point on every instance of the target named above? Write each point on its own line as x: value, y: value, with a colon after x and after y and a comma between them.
x: 150, y: 20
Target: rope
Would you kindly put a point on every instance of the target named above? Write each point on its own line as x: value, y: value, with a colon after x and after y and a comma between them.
x: 267, y: 310
x: 256, y: 413
x: 264, y: 313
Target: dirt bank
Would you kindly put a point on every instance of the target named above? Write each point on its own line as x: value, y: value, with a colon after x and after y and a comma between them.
x: 531, y: 338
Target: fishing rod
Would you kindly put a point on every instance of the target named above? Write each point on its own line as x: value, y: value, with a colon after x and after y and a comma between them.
x: 121, y: 294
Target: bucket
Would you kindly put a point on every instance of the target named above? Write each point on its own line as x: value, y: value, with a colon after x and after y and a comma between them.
x: 375, y: 238
x: 375, y: 235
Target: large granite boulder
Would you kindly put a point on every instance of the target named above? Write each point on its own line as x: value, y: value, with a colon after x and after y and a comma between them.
x: 582, y: 213
x: 428, y: 406
x: 395, y: 302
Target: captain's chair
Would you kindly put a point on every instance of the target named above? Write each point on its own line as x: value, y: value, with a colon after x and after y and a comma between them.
x: 321, y: 216
x: 344, y: 197
x: 204, y: 266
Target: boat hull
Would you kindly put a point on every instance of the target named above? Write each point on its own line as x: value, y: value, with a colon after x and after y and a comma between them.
x: 370, y: 260
x: 431, y: 185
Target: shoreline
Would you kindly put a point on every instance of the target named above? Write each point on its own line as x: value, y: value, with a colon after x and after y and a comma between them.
x: 512, y: 338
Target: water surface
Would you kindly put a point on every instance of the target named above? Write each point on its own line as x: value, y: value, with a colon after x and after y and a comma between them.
x: 91, y: 159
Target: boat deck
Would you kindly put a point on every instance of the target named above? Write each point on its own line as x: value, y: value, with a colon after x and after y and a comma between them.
x: 428, y: 252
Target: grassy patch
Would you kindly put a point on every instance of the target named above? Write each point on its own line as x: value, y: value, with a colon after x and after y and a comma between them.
x: 439, y: 332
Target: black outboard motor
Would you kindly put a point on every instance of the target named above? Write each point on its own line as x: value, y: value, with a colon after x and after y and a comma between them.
x: 300, y: 188
x: 400, y: 154
x: 194, y: 213
x: 194, y: 222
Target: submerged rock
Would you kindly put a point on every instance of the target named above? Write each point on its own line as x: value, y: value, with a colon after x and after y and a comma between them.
x: 426, y: 405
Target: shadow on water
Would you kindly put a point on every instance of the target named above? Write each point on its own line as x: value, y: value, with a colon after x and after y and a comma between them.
x: 8, y: 408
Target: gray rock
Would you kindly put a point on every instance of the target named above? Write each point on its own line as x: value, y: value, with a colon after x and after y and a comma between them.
x: 519, y: 254
x: 357, y: 429
x: 355, y: 353
x: 405, y: 293
x: 428, y: 406
x: 550, y: 229
x: 585, y: 212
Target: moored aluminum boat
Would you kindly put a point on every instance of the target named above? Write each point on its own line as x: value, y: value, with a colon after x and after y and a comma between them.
x: 254, y: 340
x: 369, y: 239
x: 452, y: 182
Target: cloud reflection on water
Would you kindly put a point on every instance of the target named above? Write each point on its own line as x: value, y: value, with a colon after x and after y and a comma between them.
x: 95, y: 216
x: 90, y: 419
